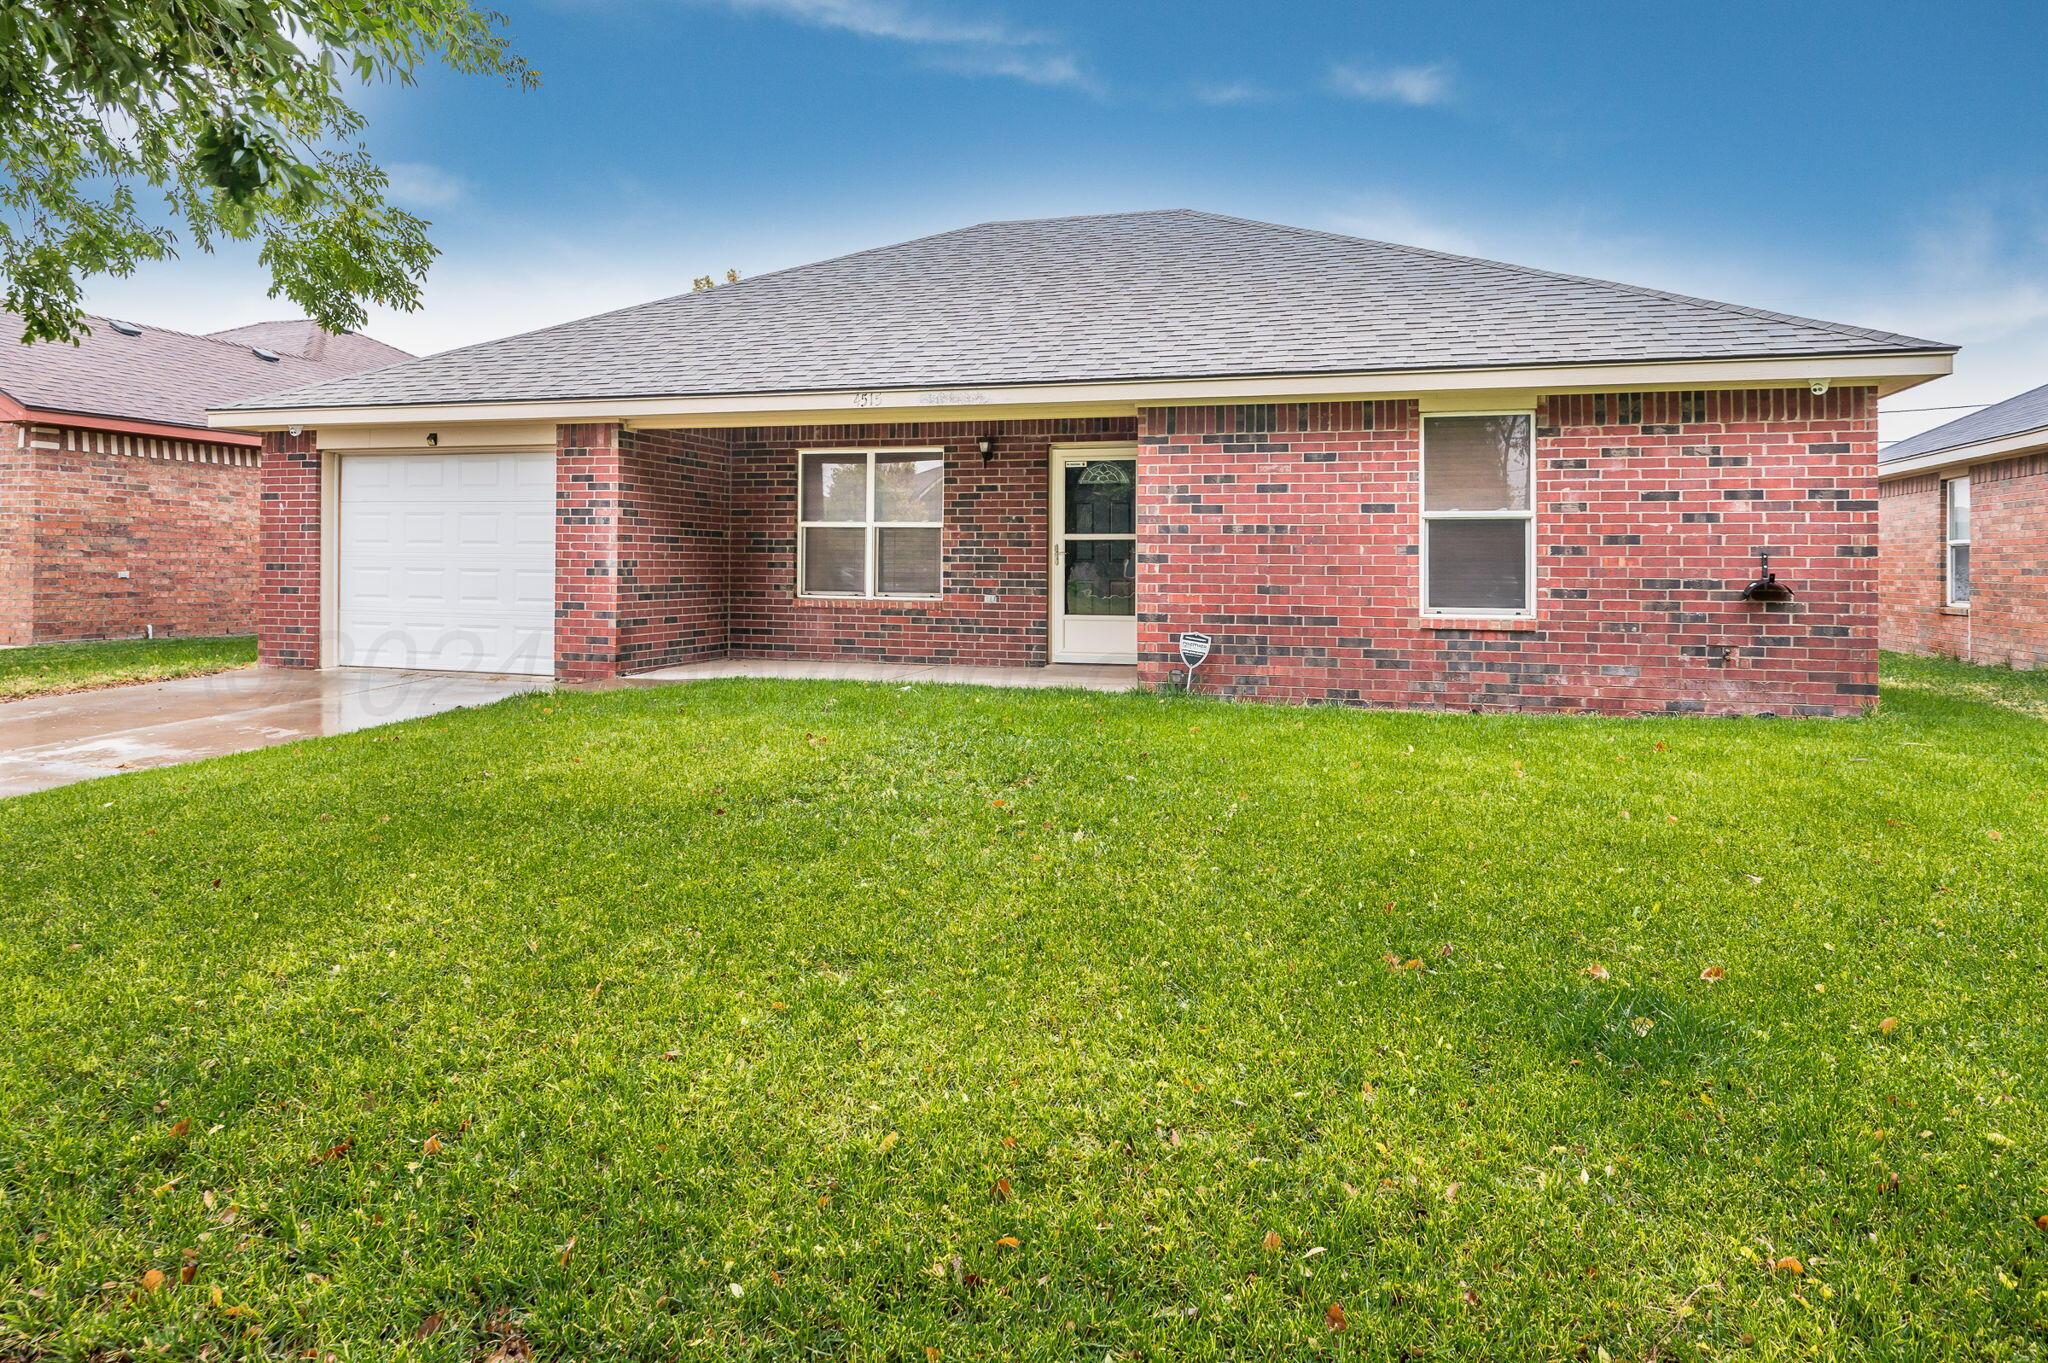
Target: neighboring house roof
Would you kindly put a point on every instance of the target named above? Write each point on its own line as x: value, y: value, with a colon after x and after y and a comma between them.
x: 310, y: 341
x: 1126, y: 296
x: 2016, y: 417
x: 166, y: 377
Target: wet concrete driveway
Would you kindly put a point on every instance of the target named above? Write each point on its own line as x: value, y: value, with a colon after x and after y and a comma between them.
x: 55, y: 740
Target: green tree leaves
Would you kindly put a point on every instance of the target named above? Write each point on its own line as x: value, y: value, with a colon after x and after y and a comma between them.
x: 233, y: 112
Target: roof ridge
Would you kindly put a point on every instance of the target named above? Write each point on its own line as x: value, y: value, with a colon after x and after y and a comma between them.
x: 1643, y: 290
x: 200, y: 335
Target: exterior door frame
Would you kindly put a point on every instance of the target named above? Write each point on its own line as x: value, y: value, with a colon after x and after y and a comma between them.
x: 1055, y: 565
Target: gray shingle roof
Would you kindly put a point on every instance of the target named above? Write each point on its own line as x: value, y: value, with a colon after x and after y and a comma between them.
x: 2027, y: 412
x: 164, y: 376
x: 1174, y: 294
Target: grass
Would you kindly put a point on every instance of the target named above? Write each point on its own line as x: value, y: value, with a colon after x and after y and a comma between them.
x: 53, y: 669
x: 757, y: 1019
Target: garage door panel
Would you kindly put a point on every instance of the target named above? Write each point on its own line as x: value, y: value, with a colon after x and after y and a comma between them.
x: 446, y: 562
x: 423, y: 473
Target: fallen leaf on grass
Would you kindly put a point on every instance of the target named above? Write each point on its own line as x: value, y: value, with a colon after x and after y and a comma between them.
x: 1713, y: 974
x: 1334, y: 1317
x: 1009, y: 1242
x: 432, y: 1146
x: 1271, y: 1242
x: 1597, y: 971
x: 1789, y: 1264
x: 1643, y: 1025
x: 153, y: 1280
x: 1001, y: 1190
x: 430, y: 1326
x: 889, y: 1142
x: 567, y: 1250
x: 1888, y: 1026
x: 2041, y: 1221
x: 180, y: 1127
x: 333, y: 1152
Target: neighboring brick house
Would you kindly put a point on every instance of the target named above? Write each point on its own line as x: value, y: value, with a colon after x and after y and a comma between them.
x: 1371, y: 473
x: 121, y: 513
x: 1963, y: 518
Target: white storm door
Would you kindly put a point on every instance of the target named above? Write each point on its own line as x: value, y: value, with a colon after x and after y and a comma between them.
x: 1095, y: 555
x: 446, y: 562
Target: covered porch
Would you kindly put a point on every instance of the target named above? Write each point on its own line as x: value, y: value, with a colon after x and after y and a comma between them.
x: 968, y: 549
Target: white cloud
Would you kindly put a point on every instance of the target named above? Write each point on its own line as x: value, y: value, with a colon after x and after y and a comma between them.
x: 968, y: 46
x: 416, y: 184
x: 1228, y: 92
x: 1417, y: 86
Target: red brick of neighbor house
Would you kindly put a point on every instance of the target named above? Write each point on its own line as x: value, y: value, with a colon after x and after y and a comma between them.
x: 1291, y: 534
x: 108, y: 535
x: 2006, y: 621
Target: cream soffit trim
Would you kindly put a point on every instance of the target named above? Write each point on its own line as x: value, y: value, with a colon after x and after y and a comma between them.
x: 1956, y: 456
x: 1889, y: 373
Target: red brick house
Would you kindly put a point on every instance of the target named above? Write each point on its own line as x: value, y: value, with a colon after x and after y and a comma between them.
x: 1371, y: 473
x: 1963, y: 531
x: 121, y: 513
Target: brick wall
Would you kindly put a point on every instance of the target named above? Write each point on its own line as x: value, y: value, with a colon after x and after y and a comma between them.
x: 17, y: 536
x: 674, y: 502
x: 288, y: 606
x: 994, y: 547
x: 110, y: 536
x: 1291, y: 533
x: 587, y: 476
x: 2007, y: 620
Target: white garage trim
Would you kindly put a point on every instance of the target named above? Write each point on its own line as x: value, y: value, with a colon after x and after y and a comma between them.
x: 439, y: 561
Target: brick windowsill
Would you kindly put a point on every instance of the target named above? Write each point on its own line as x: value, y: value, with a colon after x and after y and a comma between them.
x: 1490, y: 624
x: 920, y: 603
x: 1954, y: 610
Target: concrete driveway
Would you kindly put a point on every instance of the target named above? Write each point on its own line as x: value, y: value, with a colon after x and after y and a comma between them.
x: 55, y: 740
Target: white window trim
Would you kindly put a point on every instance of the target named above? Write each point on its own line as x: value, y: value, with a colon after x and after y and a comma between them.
x: 1528, y: 609
x: 1949, y: 544
x: 870, y: 525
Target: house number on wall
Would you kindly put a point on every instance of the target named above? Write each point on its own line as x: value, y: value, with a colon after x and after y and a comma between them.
x: 943, y: 399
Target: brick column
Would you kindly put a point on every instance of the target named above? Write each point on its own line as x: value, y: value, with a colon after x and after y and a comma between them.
x: 288, y: 605
x: 587, y: 478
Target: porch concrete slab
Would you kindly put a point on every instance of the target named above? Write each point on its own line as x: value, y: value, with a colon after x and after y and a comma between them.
x: 55, y: 740
x: 1086, y: 676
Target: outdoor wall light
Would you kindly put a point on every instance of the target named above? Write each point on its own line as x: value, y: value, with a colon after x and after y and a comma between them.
x: 1766, y: 588
x: 433, y: 437
x: 987, y: 448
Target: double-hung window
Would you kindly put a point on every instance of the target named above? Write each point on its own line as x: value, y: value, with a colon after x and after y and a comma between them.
x: 1955, y: 519
x: 1478, y: 514
x: 868, y: 522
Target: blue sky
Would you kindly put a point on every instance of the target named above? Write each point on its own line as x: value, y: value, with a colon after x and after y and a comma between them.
x: 1856, y: 162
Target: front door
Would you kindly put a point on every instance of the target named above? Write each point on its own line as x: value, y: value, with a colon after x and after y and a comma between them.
x: 1095, y: 554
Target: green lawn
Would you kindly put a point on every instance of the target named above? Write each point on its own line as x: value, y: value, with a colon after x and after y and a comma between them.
x: 50, y: 669
x: 820, y: 1019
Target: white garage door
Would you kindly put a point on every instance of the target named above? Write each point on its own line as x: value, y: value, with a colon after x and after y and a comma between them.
x: 447, y: 562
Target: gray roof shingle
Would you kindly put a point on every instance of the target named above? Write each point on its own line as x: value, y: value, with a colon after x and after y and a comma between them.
x: 1159, y: 295
x: 2026, y: 412
x: 170, y: 377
